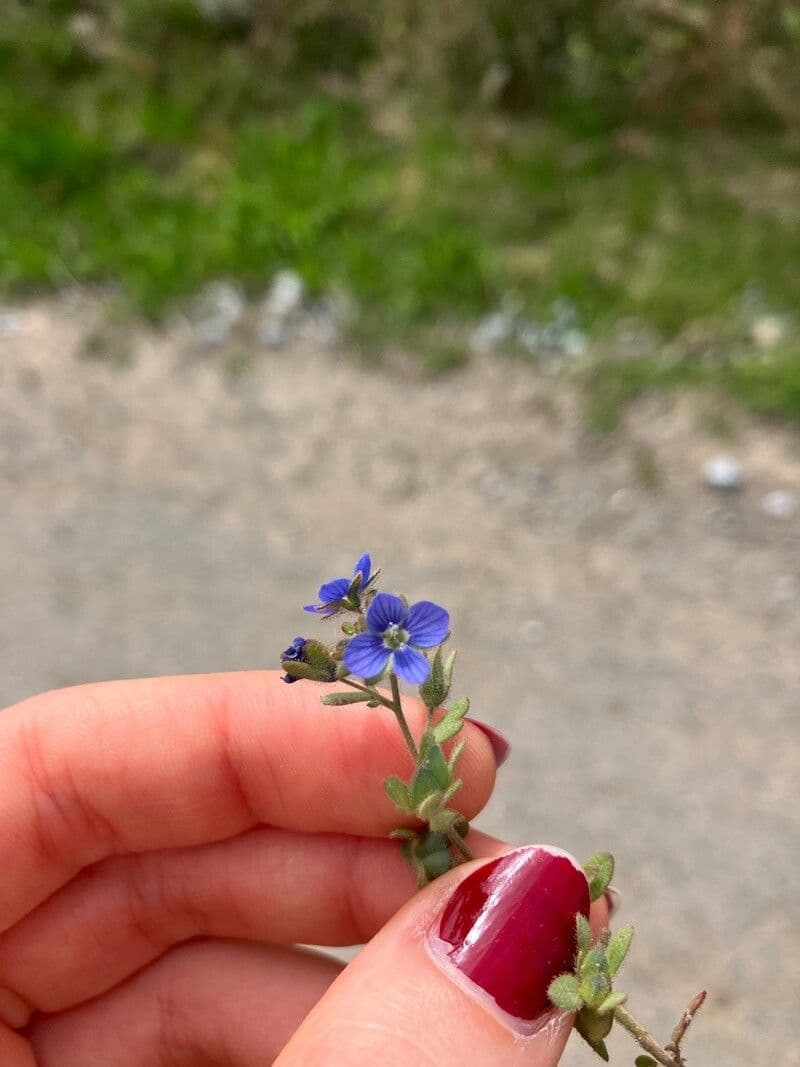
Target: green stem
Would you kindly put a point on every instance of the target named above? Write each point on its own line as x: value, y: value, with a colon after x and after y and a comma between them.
x: 645, y: 1039
x: 397, y: 708
x: 372, y: 692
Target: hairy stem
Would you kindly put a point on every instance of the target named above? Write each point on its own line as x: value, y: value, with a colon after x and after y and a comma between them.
x: 645, y: 1039
x: 397, y: 708
x: 458, y: 842
x: 372, y: 692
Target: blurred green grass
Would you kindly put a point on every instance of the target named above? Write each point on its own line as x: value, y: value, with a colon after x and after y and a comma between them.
x: 163, y: 166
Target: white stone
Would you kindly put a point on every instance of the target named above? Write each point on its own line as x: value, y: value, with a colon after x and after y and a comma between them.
x: 492, y: 331
x: 780, y: 504
x: 767, y: 331
x: 285, y: 296
x: 722, y: 472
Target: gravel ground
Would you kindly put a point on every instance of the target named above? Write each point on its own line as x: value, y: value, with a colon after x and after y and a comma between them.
x: 638, y: 645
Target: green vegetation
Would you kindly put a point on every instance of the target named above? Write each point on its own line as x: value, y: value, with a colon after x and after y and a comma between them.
x: 158, y: 150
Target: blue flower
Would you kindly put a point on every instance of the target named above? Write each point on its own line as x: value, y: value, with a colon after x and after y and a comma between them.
x: 394, y: 634
x: 333, y: 594
x: 294, y: 653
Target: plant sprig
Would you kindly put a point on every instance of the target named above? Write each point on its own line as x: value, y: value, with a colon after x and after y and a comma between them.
x: 589, y: 992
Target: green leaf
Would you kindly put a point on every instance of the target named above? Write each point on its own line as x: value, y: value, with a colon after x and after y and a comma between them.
x: 458, y: 748
x: 645, y: 1061
x: 437, y: 863
x: 426, y: 743
x: 595, y: 987
x: 564, y: 992
x: 451, y: 790
x: 599, y: 870
x: 618, y: 949
x: 594, y: 962
x: 437, y: 765
x: 337, y: 700
x: 434, y: 690
x: 398, y: 793
x: 593, y: 1027
x: 584, y: 932
x: 443, y: 820
x: 430, y: 805
x: 613, y: 1000
x: 452, y: 721
x: 448, y: 670
x: 422, y: 785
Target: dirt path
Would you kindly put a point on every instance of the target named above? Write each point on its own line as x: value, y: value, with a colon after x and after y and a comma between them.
x: 639, y: 646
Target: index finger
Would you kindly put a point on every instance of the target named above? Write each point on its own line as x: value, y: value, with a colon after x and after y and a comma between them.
x: 132, y: 766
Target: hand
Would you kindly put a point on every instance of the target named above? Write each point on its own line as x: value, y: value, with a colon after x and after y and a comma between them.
x: 166, y: 843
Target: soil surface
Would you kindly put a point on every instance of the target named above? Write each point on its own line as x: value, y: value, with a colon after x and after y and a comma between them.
x: 635, y: 633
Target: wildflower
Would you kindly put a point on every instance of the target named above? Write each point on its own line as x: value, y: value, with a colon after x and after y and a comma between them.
x: 394, y: 634
x: 343, y: 592
x: 294, y: 653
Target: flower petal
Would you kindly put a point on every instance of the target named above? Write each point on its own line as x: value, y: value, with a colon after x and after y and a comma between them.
x: 334, y: 590
x: 366, y: 655
x: 364, y: 568
x: 427, y: 624
x: 411, y: 665
x: 384, y: 610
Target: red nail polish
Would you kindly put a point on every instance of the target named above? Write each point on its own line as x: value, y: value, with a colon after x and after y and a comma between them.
x: 510, y: 926
x: 501, y: 746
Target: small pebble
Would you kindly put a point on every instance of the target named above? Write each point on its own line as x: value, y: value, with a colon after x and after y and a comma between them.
x: 767, y: 331
x: 780, y: 504
x: 724, y: 473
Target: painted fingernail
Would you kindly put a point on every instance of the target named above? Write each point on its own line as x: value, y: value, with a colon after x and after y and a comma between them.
x: 509, y: 928
x: 501, y: 746
x: 613, y: 900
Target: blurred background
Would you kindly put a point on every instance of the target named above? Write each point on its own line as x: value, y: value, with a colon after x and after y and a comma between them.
x: 504, y: 293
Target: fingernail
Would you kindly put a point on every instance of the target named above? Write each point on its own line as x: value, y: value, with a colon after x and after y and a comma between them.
x: 509, y: 928
x: 613, y: 900
x: 501, y: 746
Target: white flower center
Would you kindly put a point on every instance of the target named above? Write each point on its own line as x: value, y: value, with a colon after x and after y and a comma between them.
x: 394, y: 636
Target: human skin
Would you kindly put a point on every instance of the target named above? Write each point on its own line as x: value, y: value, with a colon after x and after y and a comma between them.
x: 167, y: 843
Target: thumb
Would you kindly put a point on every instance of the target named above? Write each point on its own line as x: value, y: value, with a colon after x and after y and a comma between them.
x: 460, y: 974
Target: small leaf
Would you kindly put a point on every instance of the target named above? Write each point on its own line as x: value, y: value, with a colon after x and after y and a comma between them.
x: 452, y: 721
x: 458, y: 748
x: 584, y: 932
x: 601, y: 1050
x: 599, y: 870
x: 429, y: 806
x: 618, y: 949
x: 434, y: 690
x: 595, y: 988
x: 437, y: 863
x: 448, y: 670
x: 337, y: 700
x: 436, y: 765
x: 426, y: 743
x: 398, y: 793
x: 645, y: 1061
x: 613, y: 1000
x: 443, y: 820
x: 451, y: 790
x: 423, y: 784
x: 565, y: 993
x: 594, y: 962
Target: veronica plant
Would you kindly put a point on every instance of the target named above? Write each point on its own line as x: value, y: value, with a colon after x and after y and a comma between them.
x: 383, y: 640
